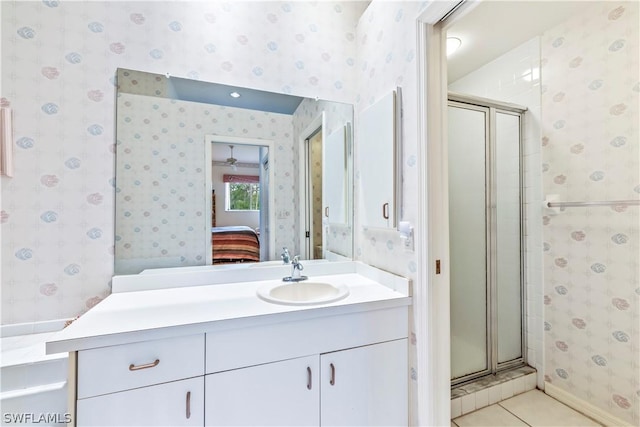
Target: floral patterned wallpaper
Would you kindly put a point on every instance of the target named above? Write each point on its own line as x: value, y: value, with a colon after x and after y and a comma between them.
x: 386, y: 40
x: 590, y: 152
x: 58, y: 70
x: 386, y: 59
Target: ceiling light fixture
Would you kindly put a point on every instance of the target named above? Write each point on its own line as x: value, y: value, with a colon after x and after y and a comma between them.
x: 234, y: 95
x: 453, y: 44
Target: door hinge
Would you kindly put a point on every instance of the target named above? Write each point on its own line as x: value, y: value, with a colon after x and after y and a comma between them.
x: 437, y: 266
x: 307, y: 234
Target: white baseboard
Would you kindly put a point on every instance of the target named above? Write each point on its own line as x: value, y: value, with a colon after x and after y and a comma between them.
x: 583, y: 406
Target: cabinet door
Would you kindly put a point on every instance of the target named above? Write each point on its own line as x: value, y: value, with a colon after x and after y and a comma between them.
x: 378, y: 170
x: 178, y: 403
x: 277, y: 394
x: 365, y: 386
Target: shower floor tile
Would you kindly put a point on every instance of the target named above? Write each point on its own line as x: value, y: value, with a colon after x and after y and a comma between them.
x: 491, y: 380
x: 533, y: 408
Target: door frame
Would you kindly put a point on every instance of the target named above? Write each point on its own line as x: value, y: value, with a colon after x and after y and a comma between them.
x: 431, y: 294
x: 235, y: 140
x: 318, y: 123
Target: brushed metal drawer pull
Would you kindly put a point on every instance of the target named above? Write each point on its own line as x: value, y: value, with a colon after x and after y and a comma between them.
x: 308, y: 378
x: 326, y: 211
x: 332, y: 381
x: 188, y: 404
x: 133, y: 367
x: 385, y: 211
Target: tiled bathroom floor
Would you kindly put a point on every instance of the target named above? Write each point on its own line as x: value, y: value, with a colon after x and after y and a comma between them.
x: 533, y: 408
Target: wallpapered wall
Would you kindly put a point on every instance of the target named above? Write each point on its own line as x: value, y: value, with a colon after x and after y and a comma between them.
x: 590, y: 152
x: 386, y: 40
x: 386, y: 59
x: 58, y: 76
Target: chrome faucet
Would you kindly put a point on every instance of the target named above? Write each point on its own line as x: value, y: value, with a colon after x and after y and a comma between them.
x: 296, y: 268
x: 285, y: 256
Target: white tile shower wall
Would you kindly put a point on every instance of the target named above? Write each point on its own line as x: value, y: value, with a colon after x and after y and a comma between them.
x: 590, y: 151
x: 515, y: 77
x: 57, y: 211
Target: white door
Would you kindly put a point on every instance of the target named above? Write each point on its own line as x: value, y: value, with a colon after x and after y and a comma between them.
x: 334, y: 174
x: 283, y: 393
x: 178, y: 403
x: 365, y: 386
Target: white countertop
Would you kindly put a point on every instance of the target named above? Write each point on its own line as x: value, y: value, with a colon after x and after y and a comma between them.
x: 127, y: 317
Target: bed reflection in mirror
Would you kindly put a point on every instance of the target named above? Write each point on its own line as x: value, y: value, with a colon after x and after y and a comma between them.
x: 173, y: 142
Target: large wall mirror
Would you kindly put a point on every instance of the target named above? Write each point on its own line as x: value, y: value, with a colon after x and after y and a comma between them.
x: 214, y: 174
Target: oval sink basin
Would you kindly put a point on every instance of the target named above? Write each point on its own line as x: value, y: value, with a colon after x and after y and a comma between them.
x: 302, y: 293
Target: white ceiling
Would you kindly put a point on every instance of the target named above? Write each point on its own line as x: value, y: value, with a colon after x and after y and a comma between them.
x: 492, y: 28
x: 243, y: 153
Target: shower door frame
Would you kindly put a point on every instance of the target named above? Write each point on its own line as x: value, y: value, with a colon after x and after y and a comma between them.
x: 492, y: 108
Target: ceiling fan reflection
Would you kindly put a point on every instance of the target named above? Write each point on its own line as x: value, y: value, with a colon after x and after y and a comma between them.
x: 233, y: 163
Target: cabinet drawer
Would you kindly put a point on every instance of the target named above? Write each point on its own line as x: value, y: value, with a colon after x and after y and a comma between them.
x: 110, y: 369
x: 238, y: 348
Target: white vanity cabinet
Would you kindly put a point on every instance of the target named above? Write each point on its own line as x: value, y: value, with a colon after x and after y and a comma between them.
x: 285, y: 393
x: 218, y: 355
x: 156, y: 382
x: 364, y: 386
x: 347, y: 370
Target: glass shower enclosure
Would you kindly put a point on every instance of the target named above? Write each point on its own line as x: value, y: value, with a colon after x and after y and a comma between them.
x: 485, y: 237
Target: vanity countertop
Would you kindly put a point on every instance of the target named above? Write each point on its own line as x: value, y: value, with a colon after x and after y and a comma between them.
x: 127, y: 317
